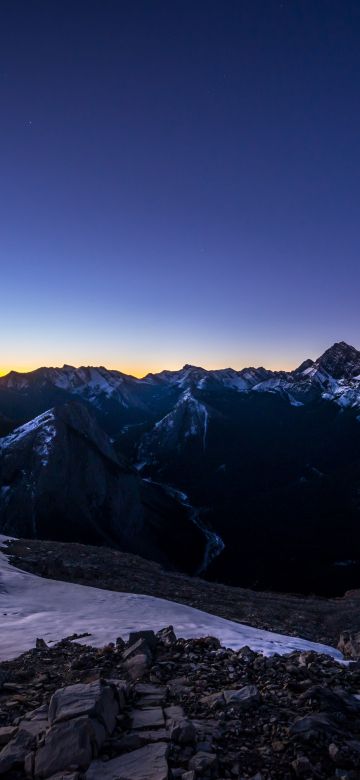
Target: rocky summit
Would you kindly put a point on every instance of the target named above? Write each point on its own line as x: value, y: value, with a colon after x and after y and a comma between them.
x: 163, y: 708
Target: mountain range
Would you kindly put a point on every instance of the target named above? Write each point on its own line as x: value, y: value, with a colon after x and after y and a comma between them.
x: 335, y: 376
x: 248, y: 476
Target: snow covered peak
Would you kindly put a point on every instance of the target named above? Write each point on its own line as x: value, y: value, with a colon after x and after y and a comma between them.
x: 340, y: 361
x: 97, y: 385
x: 335, y: 375
x: 186, y: 422
x: 86, y: 379
x: 304, y: 367
x: 185, y: 377
x: 197, y: 377
x: 34, y: 442
x: 41, y: 430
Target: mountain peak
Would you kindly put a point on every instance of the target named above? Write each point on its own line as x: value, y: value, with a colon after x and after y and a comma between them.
x: 340, y: 360
x: 340, y: 346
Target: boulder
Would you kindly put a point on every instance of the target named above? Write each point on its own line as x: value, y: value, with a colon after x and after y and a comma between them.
x: 183, y: 732
x: 213, y: 700
x: 336, y: 700
x: 146, y: 763
x: 167, y: 636
x: 140, y: 647
x: 244, y: 698
x: 69, y: 744
x: 203, y: 762
x: 137, y: 666
x: 121, y: 688
x: 311, y: 725
x: 148, y: 637
x: 14, y: 753
x: 95, y: 699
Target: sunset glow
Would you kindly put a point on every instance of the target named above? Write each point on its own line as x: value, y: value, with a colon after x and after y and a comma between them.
x: 195, y: 223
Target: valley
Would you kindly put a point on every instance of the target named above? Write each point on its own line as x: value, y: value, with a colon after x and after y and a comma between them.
x: 249, y: 477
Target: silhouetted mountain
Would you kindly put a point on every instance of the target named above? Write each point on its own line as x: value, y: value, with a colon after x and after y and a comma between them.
x: 6, y: 425
x: 60, y: 478
x: 119, y: 400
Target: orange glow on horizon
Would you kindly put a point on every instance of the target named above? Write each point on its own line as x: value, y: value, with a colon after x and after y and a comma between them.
x: 139, y: 372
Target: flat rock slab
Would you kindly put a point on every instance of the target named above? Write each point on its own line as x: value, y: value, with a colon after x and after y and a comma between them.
x: 149, y: 701
x: 150, y: 689
x: 150, y: 695
x: 155, y: 735
x: 66, y: 776
x: 147, y: 718
x: 174, y: 713
x: 147, y: 763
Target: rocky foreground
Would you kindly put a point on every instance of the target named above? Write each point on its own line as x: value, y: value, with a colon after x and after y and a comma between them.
x: 161, y: 708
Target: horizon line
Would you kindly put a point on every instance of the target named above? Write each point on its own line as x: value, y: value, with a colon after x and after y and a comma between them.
x: 28, y: 370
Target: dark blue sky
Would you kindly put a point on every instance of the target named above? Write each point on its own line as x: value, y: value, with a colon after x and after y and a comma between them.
x: 179, y: 181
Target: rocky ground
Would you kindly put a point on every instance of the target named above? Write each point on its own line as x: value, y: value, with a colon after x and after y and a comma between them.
x: 162, y: 708
x: 317, y: 619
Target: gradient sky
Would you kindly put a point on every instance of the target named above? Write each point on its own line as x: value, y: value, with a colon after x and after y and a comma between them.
x: 179, y: 181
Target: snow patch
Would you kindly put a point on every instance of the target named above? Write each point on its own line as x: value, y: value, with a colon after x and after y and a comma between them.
x: 32, y: 607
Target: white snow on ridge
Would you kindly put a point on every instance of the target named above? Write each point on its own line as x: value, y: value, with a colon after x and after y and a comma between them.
x: 197, y: 418
x: 199, y: 415
x: 43, y: 425
x: 32, y: 607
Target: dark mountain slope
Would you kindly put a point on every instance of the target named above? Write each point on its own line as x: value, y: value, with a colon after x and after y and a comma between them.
x: 281, y: 487
x: 61, y: 479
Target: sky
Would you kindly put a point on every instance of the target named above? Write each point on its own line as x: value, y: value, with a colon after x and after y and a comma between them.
x: 179, y: 182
